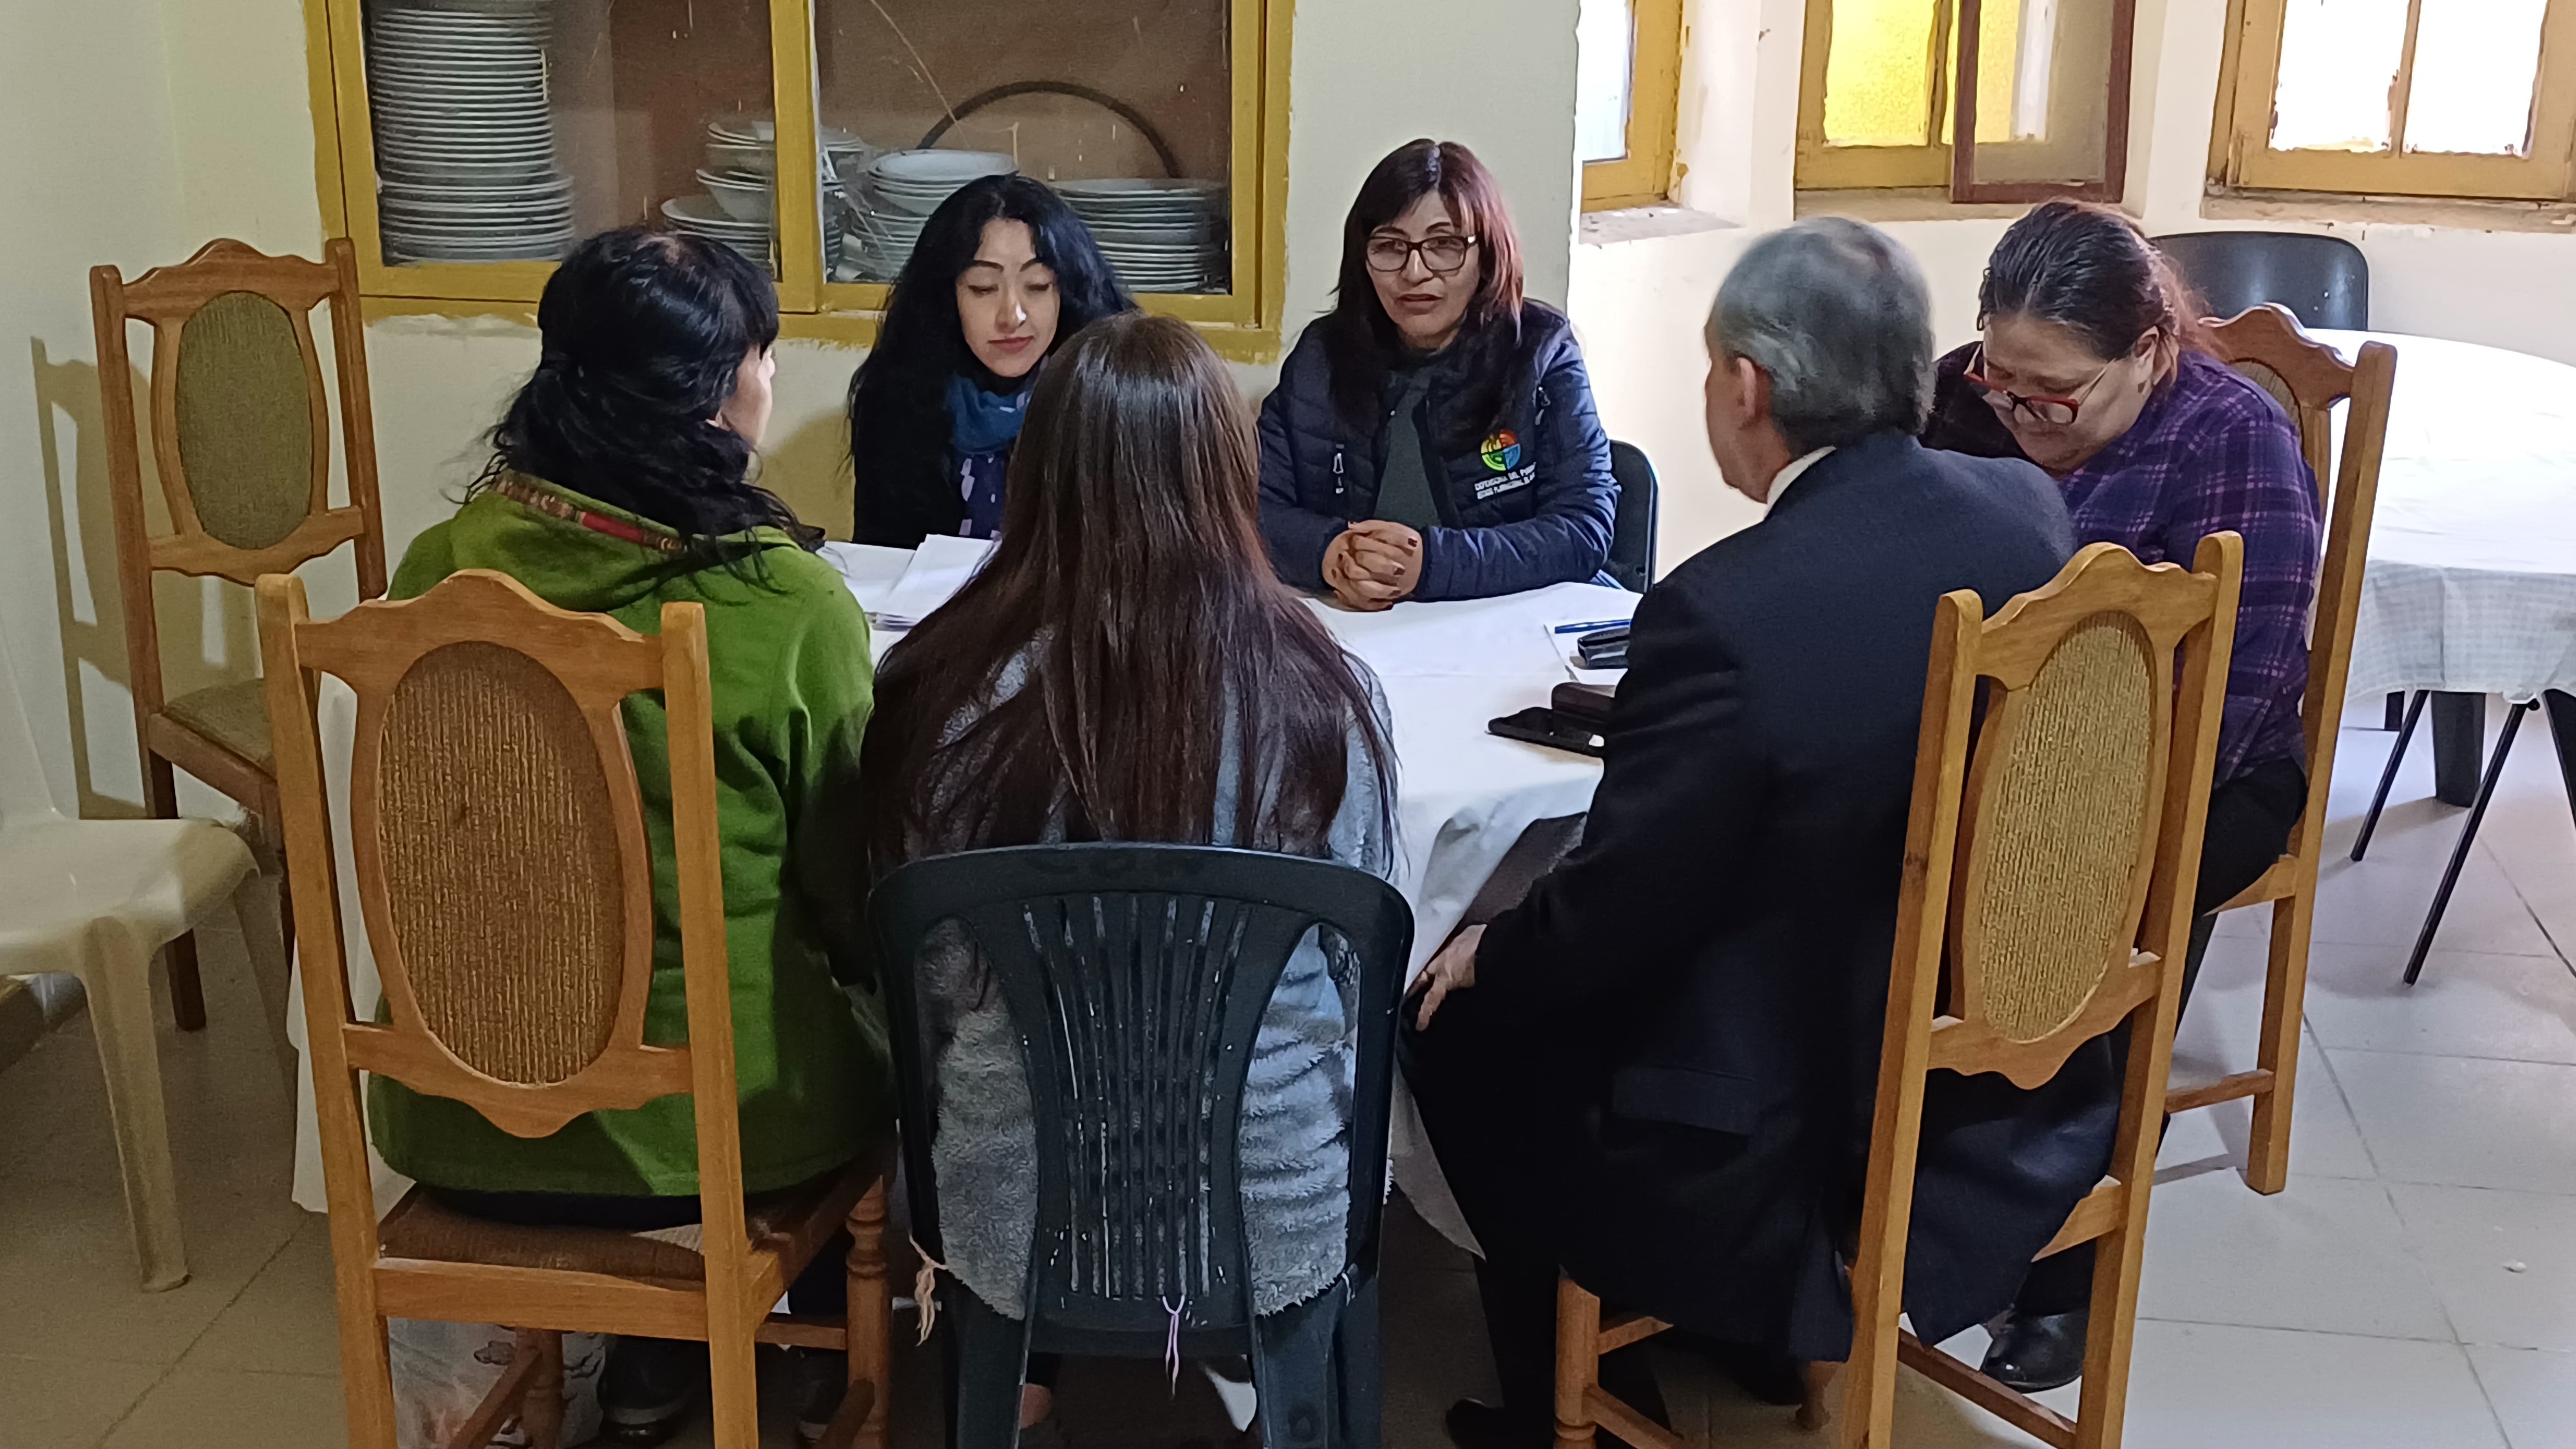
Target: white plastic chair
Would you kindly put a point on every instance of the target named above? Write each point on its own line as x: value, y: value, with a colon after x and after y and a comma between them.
x: 97, y: 899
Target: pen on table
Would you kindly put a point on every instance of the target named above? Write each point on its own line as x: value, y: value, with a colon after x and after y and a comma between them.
x: 1595, y: 624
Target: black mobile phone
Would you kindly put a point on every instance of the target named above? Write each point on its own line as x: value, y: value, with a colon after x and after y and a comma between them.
x: 1604, y: 648
x: 1539, y: 725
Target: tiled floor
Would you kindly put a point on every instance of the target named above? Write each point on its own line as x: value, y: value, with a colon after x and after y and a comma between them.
x: 2416, y: 1286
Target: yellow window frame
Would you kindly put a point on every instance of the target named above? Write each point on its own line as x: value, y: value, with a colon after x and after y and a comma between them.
x: 1822, y: 167
x: 2241, y: 152
x: 1644, y: 174
x: 1242, y: 324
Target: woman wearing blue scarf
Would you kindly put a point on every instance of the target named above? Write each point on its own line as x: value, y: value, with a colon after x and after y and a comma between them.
x: 1003, y: 272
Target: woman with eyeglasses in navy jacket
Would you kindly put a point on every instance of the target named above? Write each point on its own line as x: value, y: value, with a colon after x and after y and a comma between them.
x: 1433, y: 436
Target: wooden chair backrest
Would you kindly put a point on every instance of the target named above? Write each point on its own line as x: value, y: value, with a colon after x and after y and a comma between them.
x: 240, y: 423
x: 501, y: 863
x: 2308, y: 379
x: 2063, y: 801
x: 2050, y: 858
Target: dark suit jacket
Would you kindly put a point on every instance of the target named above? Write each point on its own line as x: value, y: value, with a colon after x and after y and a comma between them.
x: 1684, y: 1017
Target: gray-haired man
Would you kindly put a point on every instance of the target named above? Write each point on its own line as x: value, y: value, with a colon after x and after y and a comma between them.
x: 1657, y: 1072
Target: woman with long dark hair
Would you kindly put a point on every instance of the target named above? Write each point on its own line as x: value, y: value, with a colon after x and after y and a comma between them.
x: 2093, y: 364
x: 620, y: 481
x: 1125, y: 669
x: 1433, y: 436
x: 1003, y: 272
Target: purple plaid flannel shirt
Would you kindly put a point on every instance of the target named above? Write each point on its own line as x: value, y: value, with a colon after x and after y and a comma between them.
x: 2211, y: 450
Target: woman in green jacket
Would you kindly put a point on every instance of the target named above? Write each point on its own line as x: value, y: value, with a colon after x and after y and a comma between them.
x: 619, y: 483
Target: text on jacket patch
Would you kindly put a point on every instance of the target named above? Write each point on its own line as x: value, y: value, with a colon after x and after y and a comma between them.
x: 1520, y: 477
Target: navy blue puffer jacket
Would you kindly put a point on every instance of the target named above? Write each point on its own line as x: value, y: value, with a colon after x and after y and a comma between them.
x: 1531, y: 508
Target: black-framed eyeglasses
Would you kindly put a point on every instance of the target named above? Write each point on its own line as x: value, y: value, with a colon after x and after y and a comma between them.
x: 1441, y: 255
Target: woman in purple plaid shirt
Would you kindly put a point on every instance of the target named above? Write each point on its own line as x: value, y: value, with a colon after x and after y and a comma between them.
x: 2093, y: 366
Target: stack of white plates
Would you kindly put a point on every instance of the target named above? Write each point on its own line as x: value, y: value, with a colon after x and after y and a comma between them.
x: 895, y: 196
x: 740, y: 204
x: 701, y: 216
x: 1159, y: 235
x: 465, y: 144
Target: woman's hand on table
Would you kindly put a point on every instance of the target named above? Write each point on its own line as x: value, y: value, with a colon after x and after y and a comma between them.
x: 1452, y: 969
x: 1387, y: 553
x: 1352, y: 583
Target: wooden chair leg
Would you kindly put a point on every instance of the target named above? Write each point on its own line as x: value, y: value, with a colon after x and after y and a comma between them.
x: 1578, y: 1363
x: 733, y: 1383
x: 542, y: 1411
x: 2285, y: 993
x: 871, y: 1314
x: 187, y: 992
x: 2111, y: 1333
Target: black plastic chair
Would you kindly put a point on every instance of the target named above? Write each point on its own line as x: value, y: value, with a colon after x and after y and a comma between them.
x: 1136, y: 976
x: 1632, y: 530
x: 2323, y: 280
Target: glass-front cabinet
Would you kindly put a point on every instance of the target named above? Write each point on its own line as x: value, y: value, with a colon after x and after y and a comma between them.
x: 476, y: 140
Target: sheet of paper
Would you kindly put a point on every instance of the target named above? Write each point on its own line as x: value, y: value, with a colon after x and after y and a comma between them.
x: 939, y: 568
x: 1504, y: 637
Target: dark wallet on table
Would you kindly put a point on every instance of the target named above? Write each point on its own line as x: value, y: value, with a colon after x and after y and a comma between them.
x: 1572, y: 720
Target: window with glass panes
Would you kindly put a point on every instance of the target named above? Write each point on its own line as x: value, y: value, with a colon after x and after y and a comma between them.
x: 2464, y: 98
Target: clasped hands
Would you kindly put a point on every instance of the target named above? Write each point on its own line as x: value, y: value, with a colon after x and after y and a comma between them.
x: 1372, y: 563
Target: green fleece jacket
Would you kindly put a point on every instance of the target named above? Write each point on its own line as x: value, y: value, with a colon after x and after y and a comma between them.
x: 792, y: 689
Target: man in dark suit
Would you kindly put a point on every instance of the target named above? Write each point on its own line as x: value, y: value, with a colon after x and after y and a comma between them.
x: 1658, y: 1071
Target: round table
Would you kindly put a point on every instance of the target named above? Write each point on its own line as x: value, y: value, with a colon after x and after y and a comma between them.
x: 1463, y: 796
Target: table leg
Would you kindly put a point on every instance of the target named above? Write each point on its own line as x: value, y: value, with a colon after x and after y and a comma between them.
x: 2468, y: 837
x: 2395, y: 713
x: 2562, y: 732
x: 2459, y: 745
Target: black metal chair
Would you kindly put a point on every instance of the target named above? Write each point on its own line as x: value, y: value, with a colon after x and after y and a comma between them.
x: 1632, y: 532
x: 2323, y: 280
x: 1136, y: 976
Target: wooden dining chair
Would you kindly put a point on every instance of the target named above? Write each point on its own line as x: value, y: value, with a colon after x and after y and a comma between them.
x: 241, y: 443
x: 2046, y: 900
x: 2308, y: 379
x: 502, y: 873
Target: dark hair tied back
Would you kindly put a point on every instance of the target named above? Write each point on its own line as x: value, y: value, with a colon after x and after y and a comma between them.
x: 644, y: 334
x: 2089, y: 269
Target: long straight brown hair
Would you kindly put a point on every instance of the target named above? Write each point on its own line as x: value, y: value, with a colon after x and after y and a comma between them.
x: 1148, y: 629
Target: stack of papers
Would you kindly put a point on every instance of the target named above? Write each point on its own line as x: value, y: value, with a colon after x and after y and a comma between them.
x: 939, y: 568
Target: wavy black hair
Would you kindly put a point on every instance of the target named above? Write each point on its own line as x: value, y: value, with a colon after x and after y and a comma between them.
x: 643, y: 333
x: 899, y: 422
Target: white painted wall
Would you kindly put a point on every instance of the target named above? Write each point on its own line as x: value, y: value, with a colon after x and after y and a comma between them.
x: 1639, y: 303
x: 141, y: 128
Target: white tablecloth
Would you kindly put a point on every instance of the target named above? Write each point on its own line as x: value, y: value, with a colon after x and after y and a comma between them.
x: 1463, y: 795
x: 2472, y: 578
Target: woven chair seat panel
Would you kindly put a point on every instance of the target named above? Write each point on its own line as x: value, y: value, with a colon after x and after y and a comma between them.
x: 791, y: 1225
x: 2068, y: 811
x: 234, y: 716
x: 500, y: 851
x: 245, y: 420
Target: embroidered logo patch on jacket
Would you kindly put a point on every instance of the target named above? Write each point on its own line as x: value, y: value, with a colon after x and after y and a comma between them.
x: 1503, y: 451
